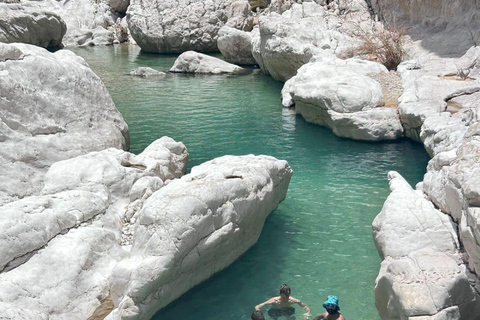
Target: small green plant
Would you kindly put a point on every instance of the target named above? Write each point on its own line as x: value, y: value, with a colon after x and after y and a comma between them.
x: 382, y: 44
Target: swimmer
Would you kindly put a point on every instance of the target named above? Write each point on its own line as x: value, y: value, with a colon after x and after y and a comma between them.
x: 282, y: 305
x: 257, y: 315
x: 332, y: 307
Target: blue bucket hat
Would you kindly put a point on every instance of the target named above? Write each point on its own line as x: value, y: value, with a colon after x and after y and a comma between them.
x: 331, y: 300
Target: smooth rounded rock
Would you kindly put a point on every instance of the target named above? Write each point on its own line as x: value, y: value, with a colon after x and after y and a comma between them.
x: 194, y: 227
x: 235, y: 46
x: 54, y: 107
x: 194, y: 62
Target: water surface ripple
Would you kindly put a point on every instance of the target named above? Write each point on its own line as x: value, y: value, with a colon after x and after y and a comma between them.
x: 319, y: 239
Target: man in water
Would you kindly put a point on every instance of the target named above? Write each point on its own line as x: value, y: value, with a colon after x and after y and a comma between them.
x: 282, y: 305
x: 257, y: 315
x: 332, y: 307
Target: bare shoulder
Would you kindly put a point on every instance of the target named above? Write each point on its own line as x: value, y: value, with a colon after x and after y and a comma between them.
x: 294, y: 300
x: 341, y: 317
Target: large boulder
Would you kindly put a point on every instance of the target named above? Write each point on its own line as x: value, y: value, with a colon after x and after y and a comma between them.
x: 88, y: 22
x: 29, y: 23
x: 54, y: 107
x: 173, y: 26
x: 338, y: 94
x: 422, y: 275
x: 194, y: 62
x: 235, y: 45
x: 58, y: 249
x: 288, y: 41
x: 194, y: 227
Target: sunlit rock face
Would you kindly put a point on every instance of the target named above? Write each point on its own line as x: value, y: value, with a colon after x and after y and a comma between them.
x: 286, y: 42
x: 338, y: 94
x: 194, y: 227
x: 54, y: 107
x: 194, y: 62
x: 178, y: 26
x: 88, y: 23
x: 29, y: 23
x: 58, y: 249
x: 111, y: 224
x: 422, y: 273
x: 436, y: 109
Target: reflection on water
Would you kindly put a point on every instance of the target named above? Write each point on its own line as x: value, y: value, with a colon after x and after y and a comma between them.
x: 319, y: 239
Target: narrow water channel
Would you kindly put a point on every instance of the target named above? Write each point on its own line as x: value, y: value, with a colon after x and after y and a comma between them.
x: 319, y: 239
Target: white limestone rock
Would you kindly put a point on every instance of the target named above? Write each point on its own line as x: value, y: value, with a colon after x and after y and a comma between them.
x: 337, y: 94
x: 445, y: 131
x: 176, y: 26
x: 194, y: 227
x: 29, y: 224
x: 194, y: 62
x: 91, y: 37
x: 54, y: 107
x: 57, y: 251
x: 452, y: 184
x: 88, y: 22
x: 29, y: 23
x: 146, y: 72
x: 117, y: 170
x: 469, y: 64
x: 422, y: 274
x: 451, y: 181
x: 288, y: 41
x: 235, y: 46
x: 425, y: 95
x: 64, y: 280
x: 141, y: 186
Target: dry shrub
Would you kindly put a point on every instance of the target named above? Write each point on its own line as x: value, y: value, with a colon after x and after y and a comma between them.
x: 382, y: 44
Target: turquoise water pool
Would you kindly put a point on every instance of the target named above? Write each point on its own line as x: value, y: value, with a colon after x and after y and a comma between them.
x: 319, y: 239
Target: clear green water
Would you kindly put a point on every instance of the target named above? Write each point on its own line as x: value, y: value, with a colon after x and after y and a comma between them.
x: 319, y: 239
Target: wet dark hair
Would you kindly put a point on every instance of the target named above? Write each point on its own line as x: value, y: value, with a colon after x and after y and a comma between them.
x: 257, y: 315
x: 285, y: 289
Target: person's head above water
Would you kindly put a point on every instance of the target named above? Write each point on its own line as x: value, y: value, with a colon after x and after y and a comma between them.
x: 257, y: 315
x: 285, y: 290
x: 331, y: 305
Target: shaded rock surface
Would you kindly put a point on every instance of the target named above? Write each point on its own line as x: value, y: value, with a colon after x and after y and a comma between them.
x: 447, y: 28
x: 53, y: 108
x: 194, y: 227
x: 194, y: 62
x: 235, y: 46
x: 178, y: 26
x: 59, y: 248
x: 29, y: 23
x: 338, y: 94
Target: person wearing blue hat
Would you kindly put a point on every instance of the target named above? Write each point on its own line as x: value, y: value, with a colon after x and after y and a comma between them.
x: 333, y: 308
